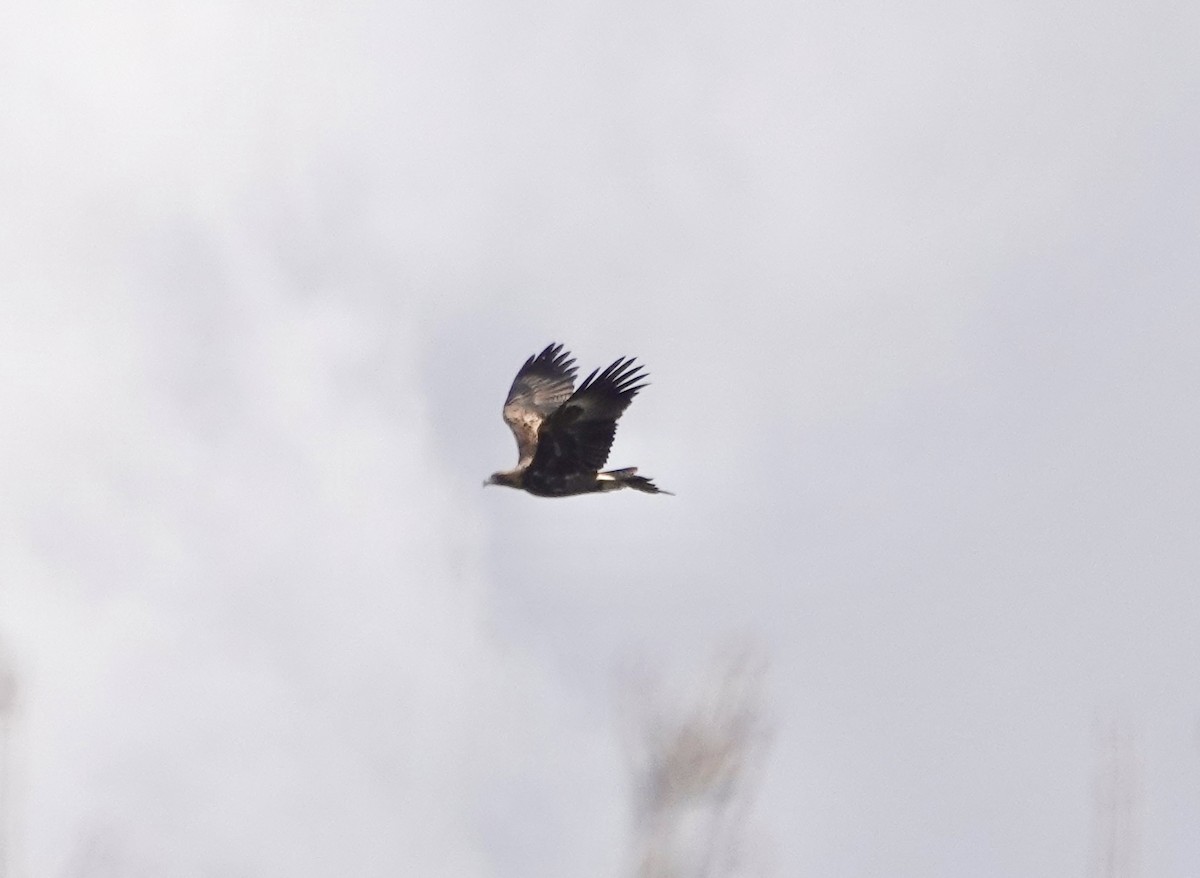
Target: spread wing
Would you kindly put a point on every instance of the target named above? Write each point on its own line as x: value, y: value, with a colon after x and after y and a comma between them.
x: 577, y: 436
x: 542, y: 385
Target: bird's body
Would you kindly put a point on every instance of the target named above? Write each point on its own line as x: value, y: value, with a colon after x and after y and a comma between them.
x: 564, y: 435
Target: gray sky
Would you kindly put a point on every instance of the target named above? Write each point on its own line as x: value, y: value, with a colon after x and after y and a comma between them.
x: 917, y: 285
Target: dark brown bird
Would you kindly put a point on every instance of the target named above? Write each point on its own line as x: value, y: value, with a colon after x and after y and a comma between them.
x: 564, y: 435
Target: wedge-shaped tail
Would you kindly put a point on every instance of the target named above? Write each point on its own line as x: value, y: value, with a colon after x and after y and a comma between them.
x: 628, y: 478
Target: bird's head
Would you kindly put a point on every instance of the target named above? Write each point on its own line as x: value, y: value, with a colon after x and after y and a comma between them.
x: 508, y: 479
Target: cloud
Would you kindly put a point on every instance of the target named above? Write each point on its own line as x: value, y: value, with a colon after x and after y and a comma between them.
x: 913, y: 286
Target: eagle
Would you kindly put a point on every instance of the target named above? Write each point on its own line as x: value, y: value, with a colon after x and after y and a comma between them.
x: 563, y: 434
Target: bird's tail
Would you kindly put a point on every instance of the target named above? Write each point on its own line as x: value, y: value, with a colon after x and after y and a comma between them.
x: 628, y: 478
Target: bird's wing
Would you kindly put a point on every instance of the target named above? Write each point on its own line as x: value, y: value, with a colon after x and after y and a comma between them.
x: 542, y: 385
x: 578, y: 435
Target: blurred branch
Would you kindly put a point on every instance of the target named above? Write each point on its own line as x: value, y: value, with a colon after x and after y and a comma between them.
x: 694, y: 758
x: 8, y: 709
x: 1115, y: 834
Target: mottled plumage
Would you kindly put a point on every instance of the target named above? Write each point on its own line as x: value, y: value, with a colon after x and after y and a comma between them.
x: 564, y: 435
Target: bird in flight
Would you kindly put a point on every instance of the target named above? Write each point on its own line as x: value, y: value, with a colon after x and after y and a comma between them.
x: 564, y: 435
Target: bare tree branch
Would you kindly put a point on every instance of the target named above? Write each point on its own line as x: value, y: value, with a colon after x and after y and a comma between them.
x: 694, y: 754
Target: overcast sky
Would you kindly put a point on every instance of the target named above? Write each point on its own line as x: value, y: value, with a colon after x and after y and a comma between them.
x: 918, y: 288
